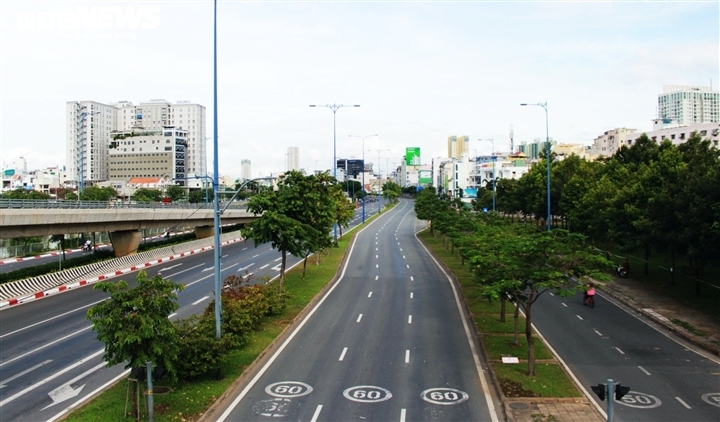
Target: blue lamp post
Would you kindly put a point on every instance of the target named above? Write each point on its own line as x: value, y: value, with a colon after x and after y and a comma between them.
x: 547, y: 159
x: 216, y: 177
x: 363, y: 173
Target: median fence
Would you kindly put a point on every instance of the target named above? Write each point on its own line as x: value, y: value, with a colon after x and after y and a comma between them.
x: 22, y: 291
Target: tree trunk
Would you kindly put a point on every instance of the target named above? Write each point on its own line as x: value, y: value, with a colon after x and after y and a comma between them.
x: 282, y: 268
x: 647, y: 257
x: 503, y: 302
x: 516, y: 319
x: 530, y: 339
x: 304, y: 266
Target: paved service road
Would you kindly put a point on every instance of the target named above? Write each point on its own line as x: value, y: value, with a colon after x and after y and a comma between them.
x: 668, y: 380
x: 387, y: 342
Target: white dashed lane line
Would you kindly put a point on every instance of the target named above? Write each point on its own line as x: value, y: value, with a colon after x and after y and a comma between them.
x: 644, y: 370
x: 618, y: 349
x: 411, y: 295
x: 199, y: 300
x: 682, y: 402
x: 564, y: 305
x: 409, y: 319
x: 370, y: 294
x: 342, y: 355
x: 359, y: 318
x: 579, y: 317
x: 407, y: 356
x: 317, y: 413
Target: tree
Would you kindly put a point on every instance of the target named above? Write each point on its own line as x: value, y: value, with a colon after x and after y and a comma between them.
x: 134, y: 322
x: 175, y: 193
x: 353, y: 188
x: 297, y: 218
x: 147, y: 195
x: 94, y: 193
x: 201, y: 195
x: 532, y: 262
x: 21, y: 193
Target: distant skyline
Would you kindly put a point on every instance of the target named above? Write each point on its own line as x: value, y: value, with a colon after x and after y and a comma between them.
x: 421, y: 72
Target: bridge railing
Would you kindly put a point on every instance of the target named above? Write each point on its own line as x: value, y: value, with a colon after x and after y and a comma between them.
x: 69, y: 204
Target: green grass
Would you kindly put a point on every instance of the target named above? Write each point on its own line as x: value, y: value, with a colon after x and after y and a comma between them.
x: 190, y: 400
x: 550, y: 381
x: 490, y: 323
x: 500, y: 346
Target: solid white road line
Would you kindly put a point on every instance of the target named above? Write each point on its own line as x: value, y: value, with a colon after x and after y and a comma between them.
x: 644, y: 370
x: 50, y: 378
x: 682, y: 402
x: 50, y: 319
x: 618, y: 349
x: 172, y: 315
x: 342, y: 355
x: 407, y: 356
x: 317, y: 413
x: 89, y: 396
x: 359, y: 318
x: 46, y: 345
x: 199, y: 300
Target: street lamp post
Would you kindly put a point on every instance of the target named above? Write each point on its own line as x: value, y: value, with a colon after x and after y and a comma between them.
x: 334, y: 107
x: 547, y: 158
x: 216, y: 201
x: 81, y: 179
x: 379, y: 178
x: 493, y: 170
x: 363, y: 170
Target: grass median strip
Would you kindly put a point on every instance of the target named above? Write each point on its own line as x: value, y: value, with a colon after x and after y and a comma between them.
x: 550, y: 381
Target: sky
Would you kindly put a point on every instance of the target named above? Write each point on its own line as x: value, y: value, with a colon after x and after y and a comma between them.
x: 420, y: 71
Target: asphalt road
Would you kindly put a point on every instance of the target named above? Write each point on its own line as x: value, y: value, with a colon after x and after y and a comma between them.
x: 51, y: 359
x: 669, y: 380
x: 387, y: 342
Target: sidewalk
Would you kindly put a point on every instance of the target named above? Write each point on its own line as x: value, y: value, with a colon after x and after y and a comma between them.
x: 661, y: 310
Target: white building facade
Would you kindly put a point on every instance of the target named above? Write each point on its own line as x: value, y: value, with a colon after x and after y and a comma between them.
x: 245, y: 169
x: 689, y: 104
x: 293, y: 158
x: 90, y: 123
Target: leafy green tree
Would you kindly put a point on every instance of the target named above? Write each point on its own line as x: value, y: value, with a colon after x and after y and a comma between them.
x: 147, y: 195
x: 175, y: 193
x: 71, y: 196
x: 530, y: 262
x: 353, y: 188
x: 201, y: 195
x: 297, y: 218
x: 94, y: 193
x: 133, y: 323
x: 21, y: 193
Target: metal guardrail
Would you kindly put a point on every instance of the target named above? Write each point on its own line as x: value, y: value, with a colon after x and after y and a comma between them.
x: 68, y: 204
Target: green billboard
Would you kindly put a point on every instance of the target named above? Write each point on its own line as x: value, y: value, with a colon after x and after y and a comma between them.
x: 412, y: 156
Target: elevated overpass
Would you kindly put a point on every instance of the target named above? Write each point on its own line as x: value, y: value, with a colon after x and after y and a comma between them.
x: 123, y: 220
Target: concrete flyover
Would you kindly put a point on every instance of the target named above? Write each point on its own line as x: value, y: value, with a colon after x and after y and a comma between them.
x: 123, y: 223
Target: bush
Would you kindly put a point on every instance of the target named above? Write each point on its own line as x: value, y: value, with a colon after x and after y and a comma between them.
x: 199, y: 353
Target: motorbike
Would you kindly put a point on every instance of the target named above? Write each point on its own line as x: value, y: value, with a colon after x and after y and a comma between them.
x: 621, y: 271
x: 87, y: 248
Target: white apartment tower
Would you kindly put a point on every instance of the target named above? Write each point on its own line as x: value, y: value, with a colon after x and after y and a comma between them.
x: 293, y: 158
x: 89, y: 124
x: 458, y: 146
x: 245, y: 169
x: 689, y: 104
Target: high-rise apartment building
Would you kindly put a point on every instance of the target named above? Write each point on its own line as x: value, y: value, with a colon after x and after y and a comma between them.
x: 689, y: 104
x: 293, y: 158
x: 89, y: 134
x: 245, y: 170
x: 458, y: 146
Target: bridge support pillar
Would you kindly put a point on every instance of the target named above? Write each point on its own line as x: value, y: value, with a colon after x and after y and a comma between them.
x: 125, y: 242
x: 201, y: 232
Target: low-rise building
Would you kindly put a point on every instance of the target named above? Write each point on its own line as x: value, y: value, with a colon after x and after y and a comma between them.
x: 155, y: 153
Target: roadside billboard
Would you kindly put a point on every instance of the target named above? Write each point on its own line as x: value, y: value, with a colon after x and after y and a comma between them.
x: 412, y: 156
